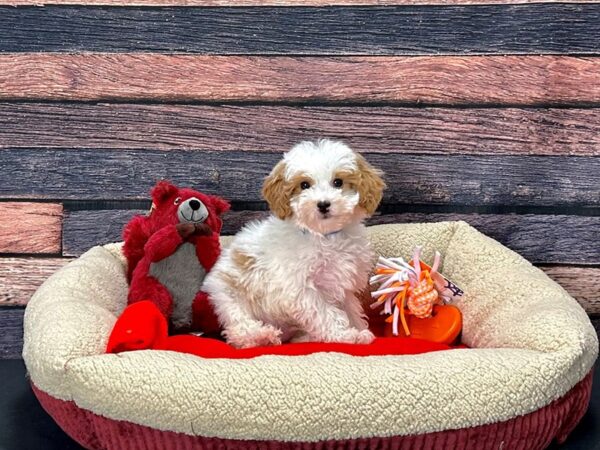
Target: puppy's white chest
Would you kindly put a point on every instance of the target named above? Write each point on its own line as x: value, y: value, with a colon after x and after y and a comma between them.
x: 339, y: 265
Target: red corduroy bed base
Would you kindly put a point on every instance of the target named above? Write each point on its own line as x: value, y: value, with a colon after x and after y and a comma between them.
x: 529, y: 432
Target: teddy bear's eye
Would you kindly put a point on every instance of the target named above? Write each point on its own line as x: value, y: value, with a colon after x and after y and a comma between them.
x: 178, y: 200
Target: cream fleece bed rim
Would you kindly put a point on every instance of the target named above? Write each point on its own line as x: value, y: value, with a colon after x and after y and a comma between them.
x: 532, y: 343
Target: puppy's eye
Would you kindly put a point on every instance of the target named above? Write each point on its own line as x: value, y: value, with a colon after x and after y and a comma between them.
x: 304, y: 185
x: 177, y: 200
x: 338, y: 183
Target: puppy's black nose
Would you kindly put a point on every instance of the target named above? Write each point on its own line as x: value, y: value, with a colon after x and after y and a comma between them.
x: 194, y: 204
x: 323, y: 206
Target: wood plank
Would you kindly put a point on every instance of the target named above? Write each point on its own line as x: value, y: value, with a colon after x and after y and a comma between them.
x: 510, y: 131
x: 564, y: 239
x: 20, y: 277
x: 540, y: 238
x: 583, y: 283
x: 239, y: 3
x: 409, y: 30
x: 447, y: 80
x: 84, y: 174
x: 11, y: 338
x: 30, y: 227
x: 84, y: 229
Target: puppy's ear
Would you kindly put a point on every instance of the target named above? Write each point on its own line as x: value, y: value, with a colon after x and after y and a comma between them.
x: 370, y: 187
x: 275, y: 192
x: 162, y: 191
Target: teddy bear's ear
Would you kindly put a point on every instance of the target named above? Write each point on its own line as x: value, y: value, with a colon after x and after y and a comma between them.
x: 162, y: 191
x: 220, y: 205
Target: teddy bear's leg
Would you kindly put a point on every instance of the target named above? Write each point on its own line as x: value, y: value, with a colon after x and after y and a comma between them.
x: 149, y: 288
x: 203, y: 315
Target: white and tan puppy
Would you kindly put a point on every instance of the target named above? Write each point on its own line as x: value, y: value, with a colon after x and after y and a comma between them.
x: 294, y: 275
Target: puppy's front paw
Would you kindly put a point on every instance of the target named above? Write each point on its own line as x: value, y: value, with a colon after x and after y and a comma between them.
x: 352, y: 336
x: 253, y: 337
x: 365, y: 337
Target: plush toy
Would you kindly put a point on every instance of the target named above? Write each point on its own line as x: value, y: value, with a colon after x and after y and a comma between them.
x: 417, y: 293
x: 142, y: 326
x: 170, y: 250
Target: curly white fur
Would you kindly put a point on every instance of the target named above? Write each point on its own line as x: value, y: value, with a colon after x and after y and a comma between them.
x: 294, y: 275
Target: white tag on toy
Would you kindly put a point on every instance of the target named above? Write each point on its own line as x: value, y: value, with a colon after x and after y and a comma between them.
x: 448, y: 290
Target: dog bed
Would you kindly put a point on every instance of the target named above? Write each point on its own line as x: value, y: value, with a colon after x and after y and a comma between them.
x: 525, y: 380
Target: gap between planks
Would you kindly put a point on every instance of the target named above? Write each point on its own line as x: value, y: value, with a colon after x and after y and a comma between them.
x: 486, y: 131
x: 427, y: 80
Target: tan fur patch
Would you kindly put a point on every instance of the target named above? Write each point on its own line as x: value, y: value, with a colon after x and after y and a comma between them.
x: 242, y: 260
x: 275, y: 194
x: 238, y: 285
x: 370, y: 186
x: 350, y: 178
x: 278, y: 191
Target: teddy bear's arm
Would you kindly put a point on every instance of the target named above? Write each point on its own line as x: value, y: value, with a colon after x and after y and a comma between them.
x: 208, y: 250
x: 135, y: 238
x: 163, y: 243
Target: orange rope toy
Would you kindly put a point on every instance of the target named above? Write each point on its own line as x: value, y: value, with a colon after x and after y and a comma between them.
x: 405, y: 286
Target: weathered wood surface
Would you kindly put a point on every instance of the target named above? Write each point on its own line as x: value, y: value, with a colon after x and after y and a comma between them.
x: 583, y: 283
x: 277, y: 2
x: 448, y: 80
x: 510, y: 131
x: 11, y: 337
x: 409, y: 30
x: 412, y: 179
x: 84, y: 229
x: 540, y: 238
x: 29, y: 227
x: 561, y: 239
x: 20, y: 277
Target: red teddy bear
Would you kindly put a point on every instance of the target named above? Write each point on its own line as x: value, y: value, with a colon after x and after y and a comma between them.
x: 170, y: 250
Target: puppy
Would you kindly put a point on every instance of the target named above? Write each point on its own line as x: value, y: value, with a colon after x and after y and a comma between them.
x: 293, y: 277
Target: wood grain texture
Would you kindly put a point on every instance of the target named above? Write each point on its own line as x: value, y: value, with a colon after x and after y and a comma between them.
x: 583, y: 283
x: 29, y: 227
x: 510, y: 131
x: 409, y: 30
x: 412, y: 179
x: 20, y: 277
x: 84, y: 229
x: 276, y: 2
x: 442, y: 80
x: 539, y: 238
x: 11, y: 337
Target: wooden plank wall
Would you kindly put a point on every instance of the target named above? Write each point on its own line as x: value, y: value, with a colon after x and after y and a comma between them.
x: 480, y: 110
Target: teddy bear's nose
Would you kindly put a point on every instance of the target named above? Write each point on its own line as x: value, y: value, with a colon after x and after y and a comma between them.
x: 194, y: 204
